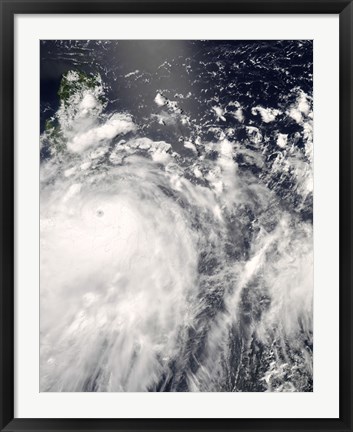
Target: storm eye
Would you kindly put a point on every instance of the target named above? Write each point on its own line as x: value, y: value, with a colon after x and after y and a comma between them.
x: 100, y: 213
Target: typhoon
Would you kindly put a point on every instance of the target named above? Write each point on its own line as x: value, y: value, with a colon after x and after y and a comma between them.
x: 176, y: 228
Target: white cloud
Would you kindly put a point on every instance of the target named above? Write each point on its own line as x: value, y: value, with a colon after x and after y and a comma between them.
x: 189, y: 145
x: 132, y: 73
x: 160, y: 100
x: 111, y: 297
x: 301, y: 108
x: 267, y: 114
x: 116, y: 125
x: 219, y: 113
x: 282, y: 140
x: 254, y: 134
x: 239, y: 115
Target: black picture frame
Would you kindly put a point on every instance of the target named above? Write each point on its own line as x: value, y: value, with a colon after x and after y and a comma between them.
x: 8, y: 10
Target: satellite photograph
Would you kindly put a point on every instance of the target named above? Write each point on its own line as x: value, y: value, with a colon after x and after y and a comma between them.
x: 176, y: 216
